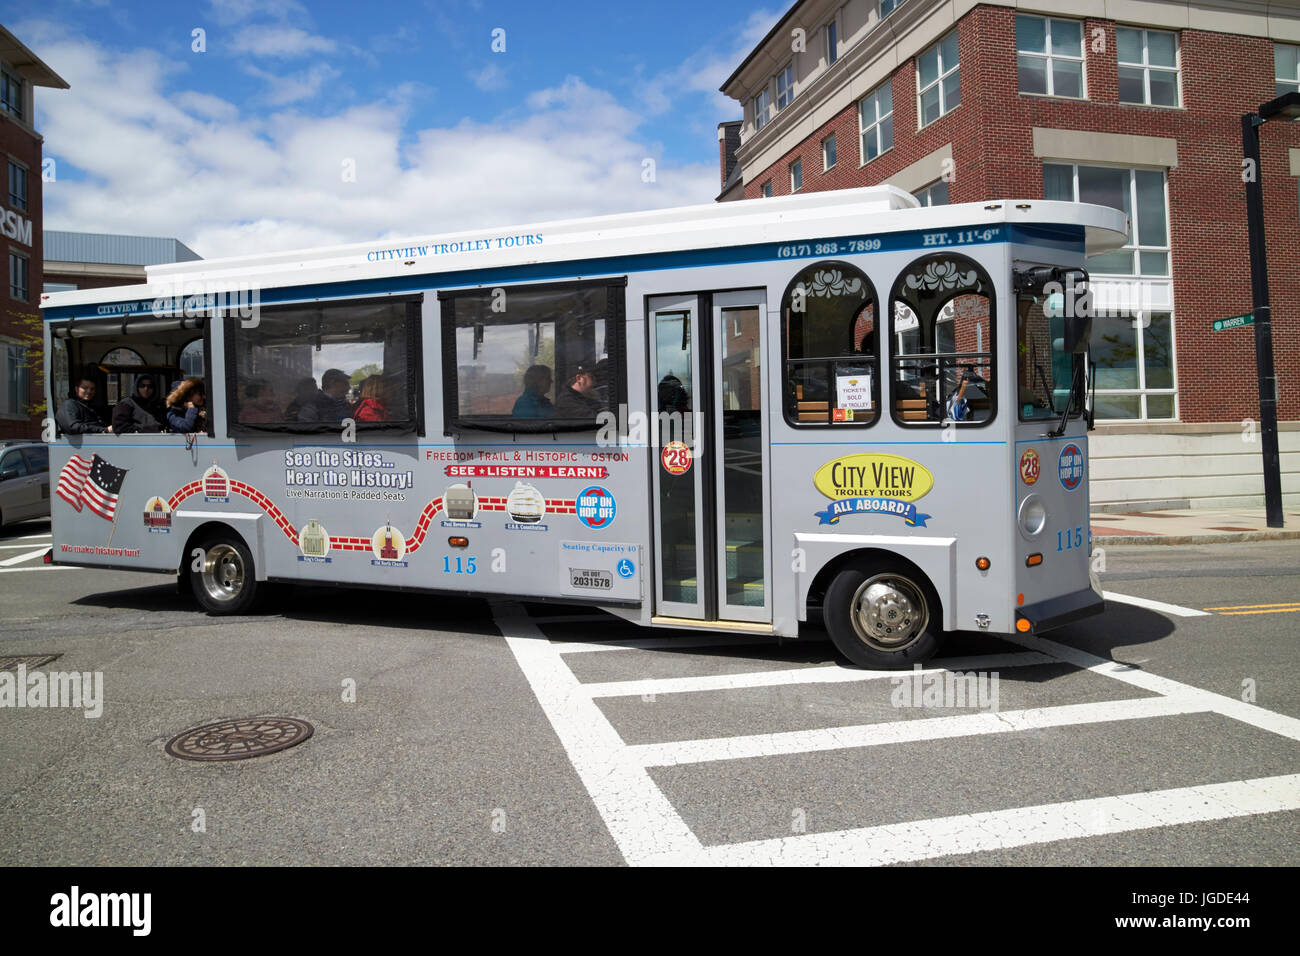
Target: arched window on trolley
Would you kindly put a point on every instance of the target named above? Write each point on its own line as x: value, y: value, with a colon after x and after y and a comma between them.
x: 830, y: 349
x: 942, y: 318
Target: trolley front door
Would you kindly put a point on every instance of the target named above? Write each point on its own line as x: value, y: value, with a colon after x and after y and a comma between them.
x: 711, y: 481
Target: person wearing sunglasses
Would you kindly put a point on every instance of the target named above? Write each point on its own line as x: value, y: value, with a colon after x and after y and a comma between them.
x: 141, y: 412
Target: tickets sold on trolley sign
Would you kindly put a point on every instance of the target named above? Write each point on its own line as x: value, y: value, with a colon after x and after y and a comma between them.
x: 886, y: 425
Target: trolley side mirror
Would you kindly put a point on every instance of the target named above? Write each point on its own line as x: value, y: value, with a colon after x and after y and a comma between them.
x: 8, y: 475
x: 1078, y: 331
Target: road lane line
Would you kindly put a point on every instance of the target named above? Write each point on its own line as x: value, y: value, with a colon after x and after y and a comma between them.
x: 20, y: 558
x: 1175, y: 609
x: 639, y: 817
x: 1022, y: 826
x: 1221, y: 704
x: 832, y: 674
x: 656, y: 643
x: 908, y: 731
x: 1247, y: 607
x: 1280, y: 610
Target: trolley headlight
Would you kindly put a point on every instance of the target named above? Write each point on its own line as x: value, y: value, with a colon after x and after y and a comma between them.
x: 1032, y: 516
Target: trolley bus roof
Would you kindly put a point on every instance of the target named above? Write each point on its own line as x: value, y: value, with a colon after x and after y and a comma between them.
x: 604, y: 245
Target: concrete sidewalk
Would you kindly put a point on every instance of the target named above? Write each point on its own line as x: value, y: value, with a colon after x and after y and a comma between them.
x: 1194, y: 526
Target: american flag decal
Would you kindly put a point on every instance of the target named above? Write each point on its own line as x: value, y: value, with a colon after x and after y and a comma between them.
x: 95, y: 483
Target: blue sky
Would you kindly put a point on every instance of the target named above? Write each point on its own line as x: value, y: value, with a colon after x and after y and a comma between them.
x: 304, y: 123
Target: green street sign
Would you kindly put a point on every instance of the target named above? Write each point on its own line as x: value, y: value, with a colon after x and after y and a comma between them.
x: 1236, y: 322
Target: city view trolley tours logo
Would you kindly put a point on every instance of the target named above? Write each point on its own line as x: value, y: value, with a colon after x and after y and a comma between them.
x: 874, y: 484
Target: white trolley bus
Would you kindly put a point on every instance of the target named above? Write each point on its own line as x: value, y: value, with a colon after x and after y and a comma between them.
x: 736, y: 416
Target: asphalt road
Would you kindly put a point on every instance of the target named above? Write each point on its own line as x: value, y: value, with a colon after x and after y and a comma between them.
x: 522, y: 734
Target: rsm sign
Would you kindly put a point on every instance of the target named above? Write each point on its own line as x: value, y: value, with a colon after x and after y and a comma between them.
x: 14, y: 226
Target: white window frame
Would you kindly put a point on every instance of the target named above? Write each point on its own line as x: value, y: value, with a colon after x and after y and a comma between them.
x: 762, y: 110
x: 23, y: 86
x: 786, y: 74
x: 874, y: 126
x: 830, y: 139
x: 1049, y: 57
x: 1135, y: 246
x: 1146, y: 68
x: 796, y: 166
x: 832, y: 34
x: 944, y: 72
x: 885, y: 7
x: 1293, y: 82
x: 765, y: 190
x: 926, y: 194
x: 23, y: 379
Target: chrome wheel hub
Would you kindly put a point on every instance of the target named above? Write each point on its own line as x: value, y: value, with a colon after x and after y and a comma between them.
x: 223, y: 573
x: 889, y: 612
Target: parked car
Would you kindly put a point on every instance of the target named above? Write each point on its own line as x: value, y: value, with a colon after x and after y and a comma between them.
x: 24, y: 481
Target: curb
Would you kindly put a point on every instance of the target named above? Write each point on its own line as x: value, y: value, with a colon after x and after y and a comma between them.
x: 1226, y: 537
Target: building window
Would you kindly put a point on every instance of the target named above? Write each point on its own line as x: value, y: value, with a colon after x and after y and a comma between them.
x: 1049, y: 55
x: 828, y: 152
x: 11, y: 93
x: 887, y: 7
x: 17, y: 186
x: 1135, y: 366
x: 935, y: 194
x: 796, y: 176
x: 784, y: 87
x: 766, y: 189
x: 1148, y: 66
x: 1147, y: 251
x: 832, y: 43
x: 938, y: 80
x: 1286, y: 68
x: 15, y: 393
x: 762, y: 107
x: 19, y: 276
x: 832, y: 352
x: 552, y: 363
x: 876, y: 122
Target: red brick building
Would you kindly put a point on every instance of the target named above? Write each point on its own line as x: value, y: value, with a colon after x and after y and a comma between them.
x: 21, y: 71
x: 1131, y: 103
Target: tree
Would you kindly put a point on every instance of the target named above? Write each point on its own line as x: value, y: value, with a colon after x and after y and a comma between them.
x: 363, y: 373
x: 27, y: 331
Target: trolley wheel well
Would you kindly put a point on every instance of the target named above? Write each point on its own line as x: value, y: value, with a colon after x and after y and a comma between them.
x: 817, y: 593
x: 197, y: 535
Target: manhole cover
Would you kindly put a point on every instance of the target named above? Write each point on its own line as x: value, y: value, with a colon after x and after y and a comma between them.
x: 239, y: 739
x: 30, y: 660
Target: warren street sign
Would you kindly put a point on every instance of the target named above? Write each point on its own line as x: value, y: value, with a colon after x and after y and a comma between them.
x: 1236, y: 322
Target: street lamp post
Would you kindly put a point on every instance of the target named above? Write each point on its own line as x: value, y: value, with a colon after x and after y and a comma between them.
x: 1289, y: 106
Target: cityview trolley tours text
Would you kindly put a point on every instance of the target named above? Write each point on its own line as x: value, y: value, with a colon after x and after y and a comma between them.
x: 839, y: 408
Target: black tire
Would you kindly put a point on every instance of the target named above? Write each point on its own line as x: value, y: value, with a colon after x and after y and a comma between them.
x: 226, y: 581
x: 883, y: 616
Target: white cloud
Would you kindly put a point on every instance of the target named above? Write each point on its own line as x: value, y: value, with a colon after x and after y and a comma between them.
x: 303, y: 85
x: 490, y: 78
x: 234, y: 11
x: 281, y: 41
x: 226, y: 181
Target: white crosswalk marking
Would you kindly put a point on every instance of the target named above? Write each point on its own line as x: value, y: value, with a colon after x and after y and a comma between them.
x: 19, y: 559
x: 650, y: 831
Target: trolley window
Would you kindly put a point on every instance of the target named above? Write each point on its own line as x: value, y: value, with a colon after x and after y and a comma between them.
x: 308, y: 368
x: 547, y: 358
x: 831, y: 350
x: 941, y: 327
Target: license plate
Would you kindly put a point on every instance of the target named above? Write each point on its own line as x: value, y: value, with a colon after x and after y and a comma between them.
x: 592, y: 580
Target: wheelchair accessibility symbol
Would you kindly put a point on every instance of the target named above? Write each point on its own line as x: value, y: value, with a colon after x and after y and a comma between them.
x: 626, y: 568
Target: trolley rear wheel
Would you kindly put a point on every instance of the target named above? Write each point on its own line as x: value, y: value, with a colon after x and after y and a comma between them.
x: 224, y: 581
x: 881, y: 616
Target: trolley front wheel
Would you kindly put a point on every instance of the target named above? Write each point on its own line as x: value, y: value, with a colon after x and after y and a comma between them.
x: 882, y: 617
x: 224, y: 580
